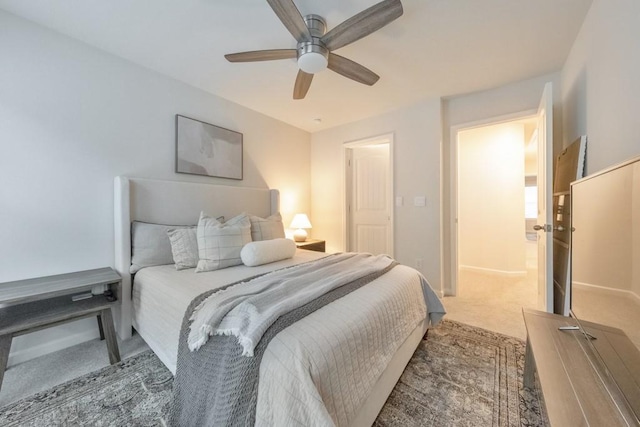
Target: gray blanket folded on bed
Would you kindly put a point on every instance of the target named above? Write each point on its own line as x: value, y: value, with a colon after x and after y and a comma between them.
x: 218, y: 386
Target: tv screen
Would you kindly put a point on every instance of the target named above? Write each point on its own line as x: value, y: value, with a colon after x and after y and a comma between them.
x: 605, y: 248
x: 605, y: 272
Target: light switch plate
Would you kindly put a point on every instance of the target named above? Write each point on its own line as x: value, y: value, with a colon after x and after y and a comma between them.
x: 419, y: 201
x: 399, y: 201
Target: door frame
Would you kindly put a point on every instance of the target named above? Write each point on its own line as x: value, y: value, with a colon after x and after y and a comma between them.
x: 453, y: 180
x: 387, y: 138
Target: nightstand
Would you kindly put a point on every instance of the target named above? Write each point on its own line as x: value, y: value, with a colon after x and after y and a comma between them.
x: 34, y: 304
x: 312, y: 245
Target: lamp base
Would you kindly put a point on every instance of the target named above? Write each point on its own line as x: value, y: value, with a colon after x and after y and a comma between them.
x: 300, y: 235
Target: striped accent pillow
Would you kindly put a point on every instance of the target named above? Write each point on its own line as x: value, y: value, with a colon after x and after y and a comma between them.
x: 184, y: 247
x: 219, y: 244
x: 266, y: 228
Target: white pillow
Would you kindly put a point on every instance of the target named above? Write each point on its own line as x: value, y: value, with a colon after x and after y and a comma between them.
x: 219, y: 244
x: 184, y: 246
x: 150, y: 244
x: 266, y: 228
x: 266, y: 251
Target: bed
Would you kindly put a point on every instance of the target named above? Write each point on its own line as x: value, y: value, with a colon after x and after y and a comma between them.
x: 338, y: 364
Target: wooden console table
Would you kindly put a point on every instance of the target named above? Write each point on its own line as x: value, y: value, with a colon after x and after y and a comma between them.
x: 34, y: 304
x: 575, y: 386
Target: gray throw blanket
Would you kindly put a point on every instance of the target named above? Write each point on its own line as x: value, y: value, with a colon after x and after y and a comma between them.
x: 218, y: 386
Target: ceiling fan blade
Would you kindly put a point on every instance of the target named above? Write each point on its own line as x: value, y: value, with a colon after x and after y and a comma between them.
x: 303, y: 81
x: 291, y: 18
x: 363, y: 24
x: 352, y: 70
x: 261, y: 55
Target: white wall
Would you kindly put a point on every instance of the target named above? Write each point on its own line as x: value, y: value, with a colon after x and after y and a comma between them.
x: 71, y: 119
x: 635, y: 231
x: 531, y: 165
x: 600, y: 84
x: 531, y: 148
x: 416, y: 156
x: 491, y: 199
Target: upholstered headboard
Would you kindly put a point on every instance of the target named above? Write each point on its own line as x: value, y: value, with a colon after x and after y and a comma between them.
x: 173, y: 203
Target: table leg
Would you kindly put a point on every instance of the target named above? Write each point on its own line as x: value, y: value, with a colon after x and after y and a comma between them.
x: 529, y: 367
x: 110, y: 336
x: 5, y: 346
x: 100, y: 328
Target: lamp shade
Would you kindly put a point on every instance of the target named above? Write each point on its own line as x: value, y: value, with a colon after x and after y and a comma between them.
x: 300, y: 221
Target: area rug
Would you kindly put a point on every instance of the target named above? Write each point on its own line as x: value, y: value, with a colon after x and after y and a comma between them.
x: 463, y: 376
x: 459, y: 376
x: 134, y: 392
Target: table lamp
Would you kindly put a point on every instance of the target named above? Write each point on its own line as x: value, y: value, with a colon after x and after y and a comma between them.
x: 300, y: 222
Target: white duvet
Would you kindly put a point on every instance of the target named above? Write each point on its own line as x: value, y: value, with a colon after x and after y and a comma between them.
x: 318, y: 371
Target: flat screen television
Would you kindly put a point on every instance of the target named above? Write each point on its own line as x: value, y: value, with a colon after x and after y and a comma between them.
x: 605, y: 263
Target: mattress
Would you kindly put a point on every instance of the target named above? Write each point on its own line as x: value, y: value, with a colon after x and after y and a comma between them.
x: 317, y: 371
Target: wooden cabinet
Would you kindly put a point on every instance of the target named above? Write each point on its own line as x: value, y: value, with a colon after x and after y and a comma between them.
x: 312, y: 245
x: 576, y: 388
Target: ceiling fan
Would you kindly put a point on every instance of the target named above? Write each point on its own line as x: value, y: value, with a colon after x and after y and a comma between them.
x: 315, y: 47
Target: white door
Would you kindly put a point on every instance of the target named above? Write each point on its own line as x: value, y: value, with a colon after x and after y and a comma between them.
x: 369, y: 202
x: 545, y: 201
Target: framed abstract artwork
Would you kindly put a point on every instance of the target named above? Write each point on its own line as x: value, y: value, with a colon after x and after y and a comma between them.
x: 206, y: 149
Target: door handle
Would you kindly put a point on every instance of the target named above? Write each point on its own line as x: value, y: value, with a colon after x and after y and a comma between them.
x: 546, y: 227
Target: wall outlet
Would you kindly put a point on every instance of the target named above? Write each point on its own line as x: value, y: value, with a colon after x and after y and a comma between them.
x: 419, y: 264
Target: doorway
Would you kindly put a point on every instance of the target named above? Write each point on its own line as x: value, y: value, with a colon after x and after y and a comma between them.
x: 369, y: 195
x: 497, y: 196
x: 496, y: 199
x: 495, y: 306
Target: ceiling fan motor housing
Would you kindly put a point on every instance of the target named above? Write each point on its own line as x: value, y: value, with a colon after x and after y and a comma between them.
x: 316, y: 24
x: 313, y: 56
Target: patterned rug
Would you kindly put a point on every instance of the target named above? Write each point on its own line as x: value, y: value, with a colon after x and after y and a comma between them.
x: 459, y: 376
x: 135, y: 392
x: 463, y: 376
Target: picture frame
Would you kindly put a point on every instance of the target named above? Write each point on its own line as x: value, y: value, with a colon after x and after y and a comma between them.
x: 209, y: 150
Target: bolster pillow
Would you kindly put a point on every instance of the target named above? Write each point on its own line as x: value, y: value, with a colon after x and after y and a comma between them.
x: 266, y: 251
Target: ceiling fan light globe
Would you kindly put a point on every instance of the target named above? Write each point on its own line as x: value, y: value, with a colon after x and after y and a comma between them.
x: 312, y: 62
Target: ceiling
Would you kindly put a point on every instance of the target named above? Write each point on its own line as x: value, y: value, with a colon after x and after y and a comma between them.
x: 437, y: 48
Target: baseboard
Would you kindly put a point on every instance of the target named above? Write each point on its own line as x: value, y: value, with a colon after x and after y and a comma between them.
x: 515, y: 273
x: 51, y: 346
x: 605, y: 290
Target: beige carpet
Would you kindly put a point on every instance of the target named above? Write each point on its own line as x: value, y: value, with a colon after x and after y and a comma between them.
x: 459, y: 376
x: 44, y: 372
x: 493, y: 301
